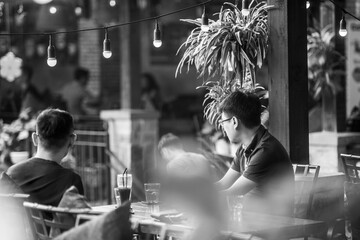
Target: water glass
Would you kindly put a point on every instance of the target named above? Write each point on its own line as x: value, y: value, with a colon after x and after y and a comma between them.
x: 235, y: 204
x: 117, y: 196
x: 152, y: 191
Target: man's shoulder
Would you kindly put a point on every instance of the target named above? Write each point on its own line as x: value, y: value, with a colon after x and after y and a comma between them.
x: 270, y: 142
x: 270, y: 147
x: 21, y: 165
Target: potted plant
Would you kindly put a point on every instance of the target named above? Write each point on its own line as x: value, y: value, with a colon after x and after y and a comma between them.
x: 13, y: 138
x: 227, y: 55
x: 324, y: 73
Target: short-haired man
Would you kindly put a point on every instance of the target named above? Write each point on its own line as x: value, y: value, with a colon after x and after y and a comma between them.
x: 262, y: 170
x: 41, y: 176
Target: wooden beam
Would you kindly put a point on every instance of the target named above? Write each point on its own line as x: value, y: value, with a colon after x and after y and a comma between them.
x: 288, y: 84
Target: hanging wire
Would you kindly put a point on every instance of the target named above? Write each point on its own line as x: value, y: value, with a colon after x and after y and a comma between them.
x: 344, y: 10
x: 110, y: 26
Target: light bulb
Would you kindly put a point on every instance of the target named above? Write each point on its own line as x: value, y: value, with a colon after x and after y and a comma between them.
x: 307, y: 4
x: 42, y: 1
x: 51, y: 57
x: 157, y: 43
x: 112, y: 3
x: 342, y: 30
x: 204, y: 21
x: 52, y: 10
x: 78, y: 11
x: 245, y: 8
x: 106, y: 45
x: 107, y: 54
x: 205, y: 28
x: 157, y: 36
x: 245, y: 12
x: 51, y: 62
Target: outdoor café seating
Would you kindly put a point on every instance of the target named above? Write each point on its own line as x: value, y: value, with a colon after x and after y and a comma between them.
x: 179, y: 119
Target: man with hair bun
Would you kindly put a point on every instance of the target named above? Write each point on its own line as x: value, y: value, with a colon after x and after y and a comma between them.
x: 42, y: 177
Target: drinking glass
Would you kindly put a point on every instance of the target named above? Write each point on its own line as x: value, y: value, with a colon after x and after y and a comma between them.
x: 124, y: 182
x: 117, y: 196
x: 235, y: 204
x: 152, y: 191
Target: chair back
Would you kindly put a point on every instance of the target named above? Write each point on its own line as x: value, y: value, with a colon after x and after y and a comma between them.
x: 46, y: 221
x: 305, y: 181
x: 351, y: 165
x: 352, y: 210
x: 14, y: 216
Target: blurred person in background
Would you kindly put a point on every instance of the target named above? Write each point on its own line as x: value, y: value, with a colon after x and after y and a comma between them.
x: 31, y: 97
x: 42, y: 177
x: 262, y: 170
x: 189, y: 188
x: 75, y: 94
x: 170, y: 146
x: 150, y: 93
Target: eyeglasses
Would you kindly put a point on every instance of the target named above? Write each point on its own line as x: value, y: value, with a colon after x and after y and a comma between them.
x: 225, y: 120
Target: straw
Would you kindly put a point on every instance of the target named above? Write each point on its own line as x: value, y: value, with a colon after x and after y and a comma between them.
x: 123, y: 177
x: 125, y: 173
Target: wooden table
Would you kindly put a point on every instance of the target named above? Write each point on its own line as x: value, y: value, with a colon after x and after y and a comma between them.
x: 264, y: 226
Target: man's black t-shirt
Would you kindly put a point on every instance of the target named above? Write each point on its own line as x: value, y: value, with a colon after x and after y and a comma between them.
x: 45, y: 181
x: 266, y: 162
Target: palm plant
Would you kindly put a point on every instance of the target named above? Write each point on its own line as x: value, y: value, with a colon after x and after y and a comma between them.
x: 227, y: 55
x: 323, y: 61
x: 324, y: 73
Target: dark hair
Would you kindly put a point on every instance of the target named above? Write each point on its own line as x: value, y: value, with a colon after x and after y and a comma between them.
x: 243, y: 105
x: 170, y: 140
x: 152, y: 84
x: 81, y: 72
x: 54, y: 127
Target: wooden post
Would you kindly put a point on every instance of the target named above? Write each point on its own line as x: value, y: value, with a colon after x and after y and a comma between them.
x: 288, y: 85
x: 130, y: 62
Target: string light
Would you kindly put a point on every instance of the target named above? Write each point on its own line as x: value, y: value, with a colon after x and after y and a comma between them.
x: 52, y: 10
x: 78, y: 10
x: 42, y: 1
x: 51, y: 58
x: 112, y: 3
x: 157, y: 35
x: 308, y: 4
x: 245, y: 8
x: 106, y: 46
x: 204, y: 21
x: 342, y: 30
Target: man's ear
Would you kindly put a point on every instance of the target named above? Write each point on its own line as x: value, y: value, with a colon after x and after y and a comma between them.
x: 236, y: 122
x: 73, y: 139
x: 35, y: 139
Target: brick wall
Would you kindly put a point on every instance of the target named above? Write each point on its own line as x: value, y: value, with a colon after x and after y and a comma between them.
x: 90, y: 53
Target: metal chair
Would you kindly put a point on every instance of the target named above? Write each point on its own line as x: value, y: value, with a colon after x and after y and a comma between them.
x: 352, y: 210
x: 305, y: 181
x: 351, y: 167
x: 45, y: 220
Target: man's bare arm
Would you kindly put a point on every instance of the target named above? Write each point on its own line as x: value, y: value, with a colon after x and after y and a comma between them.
x: 228, y: 180
x: 241, y: 186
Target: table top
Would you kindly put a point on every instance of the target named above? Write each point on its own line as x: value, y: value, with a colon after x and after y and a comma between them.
x: 268, y: 226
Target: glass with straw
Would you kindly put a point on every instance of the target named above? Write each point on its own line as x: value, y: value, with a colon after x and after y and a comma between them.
x: 124, y: 182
